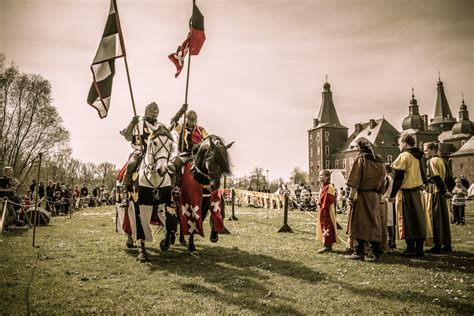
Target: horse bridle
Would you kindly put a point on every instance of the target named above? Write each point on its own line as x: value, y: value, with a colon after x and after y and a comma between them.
x: 151, y: 167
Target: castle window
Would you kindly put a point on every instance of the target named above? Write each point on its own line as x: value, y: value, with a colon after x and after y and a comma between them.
x: 344, y: 163
x: 311, y: 153
x: 318, y: 150
x: 317, y: 136
x: 310, y: 138
x: 336, y: 164
x: 351, y: 162
x: 328, y: 164
x: 326, y: 136
x: 389, y: 158
x: 326, y: 150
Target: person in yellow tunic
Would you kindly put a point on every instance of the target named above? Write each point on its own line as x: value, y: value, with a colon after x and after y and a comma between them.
x: 436, y: 199
x: 326, y: 228
x: 366, y: 181
x: 409, y: 180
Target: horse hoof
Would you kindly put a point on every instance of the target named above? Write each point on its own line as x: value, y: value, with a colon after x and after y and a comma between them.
x: 142, y: 257
x: 191, y: 247
x: 172, y: 238
x: 214, y: 237
x: 164, y: 245
x: 129, y: 243
x: 183, y: 242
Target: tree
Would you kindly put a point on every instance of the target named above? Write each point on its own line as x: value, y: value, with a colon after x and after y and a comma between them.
x: 29, y: 123
x: 299, y: 176
x: 257, y: 178
x: 107, y: 173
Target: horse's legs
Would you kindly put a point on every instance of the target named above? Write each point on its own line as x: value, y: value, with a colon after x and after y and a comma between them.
x: 142, y: 255
x: 182, y: 240
x: 191, y: 246
x: 129, y: 242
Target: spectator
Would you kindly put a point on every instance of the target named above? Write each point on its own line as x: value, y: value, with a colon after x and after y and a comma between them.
x: 459, y: 202
x: 464, y: 182
x: 8, y: 185
x: 470, y: 192
x: 50, y: 196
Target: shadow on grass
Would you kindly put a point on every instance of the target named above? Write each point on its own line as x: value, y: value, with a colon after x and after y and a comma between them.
x: 234, y: 276
x: 15, y: 232
x: 409, y: 297
x: 445, y: 262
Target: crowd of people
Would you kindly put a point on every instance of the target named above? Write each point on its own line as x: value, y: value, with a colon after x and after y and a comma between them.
x: 56, y: 198
x: 415, y: 198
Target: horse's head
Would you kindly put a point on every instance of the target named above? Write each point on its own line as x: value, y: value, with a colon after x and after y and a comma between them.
x: 159, y: 149
x: 213, y: 160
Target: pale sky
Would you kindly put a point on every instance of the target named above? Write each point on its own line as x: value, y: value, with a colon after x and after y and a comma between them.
x: 259, y: 76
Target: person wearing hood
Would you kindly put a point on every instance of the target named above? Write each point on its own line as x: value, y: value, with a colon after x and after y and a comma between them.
x: 436, y: 202
x: 407, y: 190
x: 366, y: 181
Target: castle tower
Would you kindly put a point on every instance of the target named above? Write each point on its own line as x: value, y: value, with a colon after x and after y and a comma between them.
x: 417, y: 124
x: 463, y: 129
x: 325, y: 137
x: 442, y: 120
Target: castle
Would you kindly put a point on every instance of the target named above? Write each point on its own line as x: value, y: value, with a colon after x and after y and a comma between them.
x: 331, y: 147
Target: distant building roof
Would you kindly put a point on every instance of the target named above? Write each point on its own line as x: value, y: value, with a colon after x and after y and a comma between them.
x: 466, y: 149
x: 379, y: 132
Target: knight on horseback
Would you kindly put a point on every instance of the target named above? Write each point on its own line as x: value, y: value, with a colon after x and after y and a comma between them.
x: 137, y: 133
x: 190, y: 137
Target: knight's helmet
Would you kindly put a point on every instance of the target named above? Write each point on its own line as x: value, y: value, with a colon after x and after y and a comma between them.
x: 152, y: 110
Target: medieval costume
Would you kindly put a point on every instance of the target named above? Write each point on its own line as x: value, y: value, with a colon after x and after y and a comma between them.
x: 137, y: 132
x: 437, y: 205
x: 366, y: 182
x: 326, y: 225
x: 409, y: 179
x: 391, y: 213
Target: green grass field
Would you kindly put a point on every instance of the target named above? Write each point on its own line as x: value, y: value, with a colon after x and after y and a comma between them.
x: 83, y: 266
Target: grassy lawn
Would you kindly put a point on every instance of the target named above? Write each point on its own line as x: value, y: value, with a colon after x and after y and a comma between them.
x: 83, y: 266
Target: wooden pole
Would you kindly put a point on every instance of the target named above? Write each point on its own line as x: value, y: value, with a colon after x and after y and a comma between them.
x: 233, y: 217
x: 36, y: 208
x: 285, y: 228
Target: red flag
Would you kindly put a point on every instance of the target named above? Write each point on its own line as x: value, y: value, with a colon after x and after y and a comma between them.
x: 193, y: 42
x: 178, y: 57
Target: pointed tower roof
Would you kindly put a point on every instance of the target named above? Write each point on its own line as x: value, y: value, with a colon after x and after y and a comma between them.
x: 413, y: 120
x: 443, y: 119
x: 327, y: 112
x: 464, y: 125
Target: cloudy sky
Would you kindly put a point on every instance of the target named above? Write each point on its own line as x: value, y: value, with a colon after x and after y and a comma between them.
x: 258, y: 79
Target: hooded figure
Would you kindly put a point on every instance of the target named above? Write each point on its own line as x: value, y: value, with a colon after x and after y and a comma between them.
x: 366, y: 182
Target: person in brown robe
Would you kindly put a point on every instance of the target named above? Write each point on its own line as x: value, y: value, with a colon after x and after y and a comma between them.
x: 366, y: 182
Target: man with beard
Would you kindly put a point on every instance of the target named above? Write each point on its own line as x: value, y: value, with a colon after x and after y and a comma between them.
x: 436, y: 202
x: 408, y: 182
x: 366, y: 181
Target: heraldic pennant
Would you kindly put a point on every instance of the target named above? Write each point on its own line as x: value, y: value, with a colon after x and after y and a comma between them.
x: 191, y: 208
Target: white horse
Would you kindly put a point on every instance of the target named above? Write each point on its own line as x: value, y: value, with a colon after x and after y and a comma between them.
x: 150, y: 191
